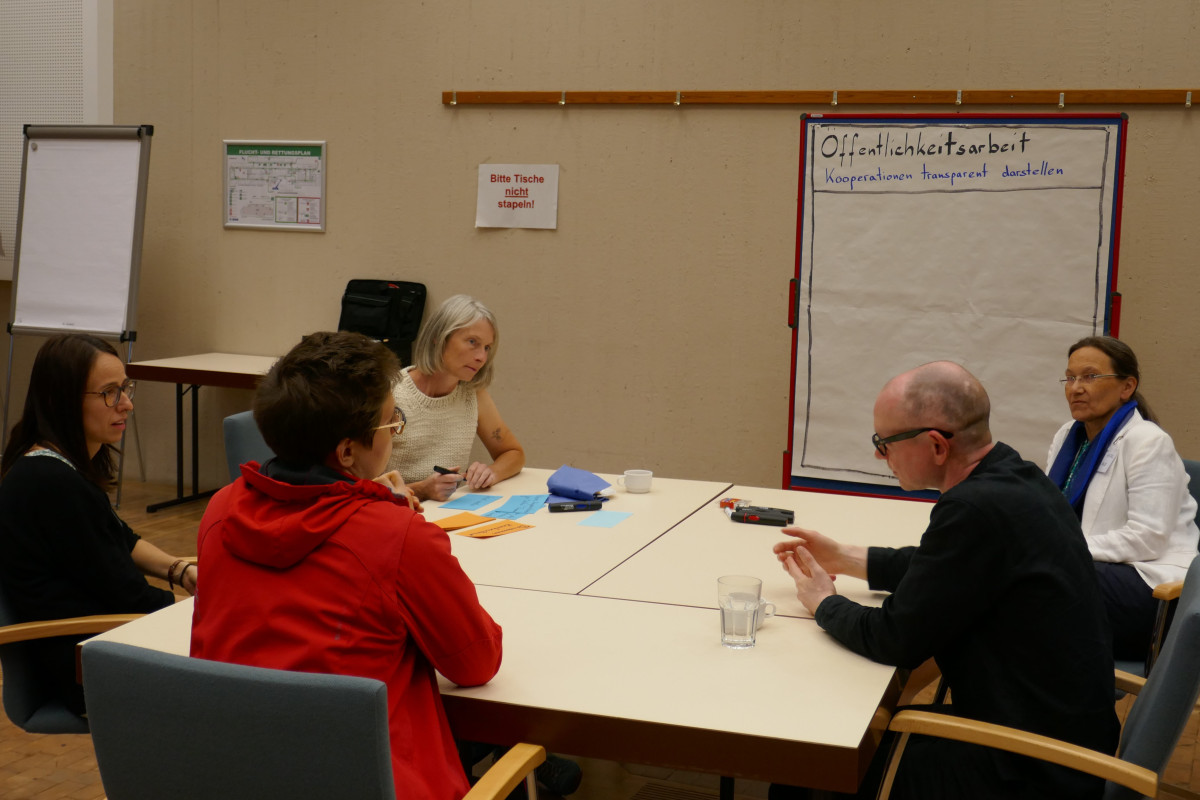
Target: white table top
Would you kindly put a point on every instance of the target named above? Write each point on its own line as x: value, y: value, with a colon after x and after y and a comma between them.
x: 650, y: 682
x: 560, y: 555
x: 711, y: 545
x: 215, y: 362
x: 632, y: 668
x: 630, y: 656
x: 665, y: 664
x: 168, y: 630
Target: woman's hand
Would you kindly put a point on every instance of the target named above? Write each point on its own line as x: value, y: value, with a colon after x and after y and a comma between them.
x: 393, y: 481
x: 189, y: 578
x: 439, y: 486
x: 480, y: 476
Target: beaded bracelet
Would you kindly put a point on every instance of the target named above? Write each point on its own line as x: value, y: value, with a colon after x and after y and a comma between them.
x: 171, y: 572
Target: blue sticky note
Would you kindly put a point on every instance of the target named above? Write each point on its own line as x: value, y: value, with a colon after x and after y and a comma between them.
x: 471, y: 502
x: 518, y: 506
x: 605, y: 519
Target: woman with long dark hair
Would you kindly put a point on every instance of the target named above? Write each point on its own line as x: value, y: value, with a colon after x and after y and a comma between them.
x: 63, y: 550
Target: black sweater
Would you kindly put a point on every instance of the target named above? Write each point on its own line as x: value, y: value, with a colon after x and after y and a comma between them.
x: 65, y: 553
x: 1002, y: 593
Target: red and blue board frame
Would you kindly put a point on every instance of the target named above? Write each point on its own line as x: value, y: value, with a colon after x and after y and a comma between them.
x: 1110, y: 303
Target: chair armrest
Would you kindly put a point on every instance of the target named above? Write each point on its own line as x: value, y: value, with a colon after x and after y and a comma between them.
x: 503, y: 776
x: 1128, y: 682
x: 44, y: 629
x: 1168, y: 591
x: 1065, y: 754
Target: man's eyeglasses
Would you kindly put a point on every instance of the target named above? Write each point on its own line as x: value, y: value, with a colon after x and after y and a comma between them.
x: 397, y: 424
x: 882, y: 443
x: 1086, y: 380
x: 112, y: 395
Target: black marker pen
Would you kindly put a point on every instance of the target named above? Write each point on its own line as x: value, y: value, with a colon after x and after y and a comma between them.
x: 580, y: 505
x: 444, y: 471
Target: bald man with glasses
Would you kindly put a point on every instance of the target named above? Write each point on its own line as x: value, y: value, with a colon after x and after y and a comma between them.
x: 1000, y: 592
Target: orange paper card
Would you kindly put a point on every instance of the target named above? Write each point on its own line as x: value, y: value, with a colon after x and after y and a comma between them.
x: 495, y: 529
x: 464, y: 520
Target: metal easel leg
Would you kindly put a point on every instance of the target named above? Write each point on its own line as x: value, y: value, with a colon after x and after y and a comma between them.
x: 7, y: 394
x: 137, y: 438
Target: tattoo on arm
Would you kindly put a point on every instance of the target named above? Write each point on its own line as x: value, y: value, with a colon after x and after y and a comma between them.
x: 498, y: 435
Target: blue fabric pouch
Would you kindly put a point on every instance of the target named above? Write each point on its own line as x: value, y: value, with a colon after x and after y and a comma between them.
x: 569, y: 483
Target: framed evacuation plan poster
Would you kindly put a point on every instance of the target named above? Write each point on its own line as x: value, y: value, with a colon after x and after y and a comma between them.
x: 275, y: 185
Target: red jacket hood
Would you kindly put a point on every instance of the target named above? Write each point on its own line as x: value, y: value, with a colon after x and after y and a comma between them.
x: 282, y: 533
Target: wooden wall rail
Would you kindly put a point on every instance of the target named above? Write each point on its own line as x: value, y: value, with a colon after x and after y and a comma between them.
x: 946, y: 97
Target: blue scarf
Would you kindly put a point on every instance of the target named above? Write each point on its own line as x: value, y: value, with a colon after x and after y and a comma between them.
x: 1074, y: 483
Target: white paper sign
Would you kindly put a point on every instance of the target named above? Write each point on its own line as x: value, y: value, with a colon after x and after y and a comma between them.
x: 517, y: 196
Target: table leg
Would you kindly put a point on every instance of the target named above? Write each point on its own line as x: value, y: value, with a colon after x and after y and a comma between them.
x: 195, y: 440
x: 179, y: 391
x: 196, y: 494
x: 726, y: 791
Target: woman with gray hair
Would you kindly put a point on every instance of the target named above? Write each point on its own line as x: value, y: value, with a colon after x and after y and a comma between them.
x: 444, y: 394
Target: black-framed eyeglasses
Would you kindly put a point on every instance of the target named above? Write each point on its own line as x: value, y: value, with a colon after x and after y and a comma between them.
x: 397, y: 424
x: 112, y: 395
x: 1086, y: 380
x: 882, y: 443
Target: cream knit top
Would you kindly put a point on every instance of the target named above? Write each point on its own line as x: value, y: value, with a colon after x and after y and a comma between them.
x: 440, y: 430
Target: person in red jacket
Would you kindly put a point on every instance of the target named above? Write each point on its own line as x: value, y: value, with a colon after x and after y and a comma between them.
x: 315, y: 561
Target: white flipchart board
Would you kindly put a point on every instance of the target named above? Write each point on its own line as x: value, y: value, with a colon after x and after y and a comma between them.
x: 985, y: 240
x: 79, y: 229
x: 78, y: 249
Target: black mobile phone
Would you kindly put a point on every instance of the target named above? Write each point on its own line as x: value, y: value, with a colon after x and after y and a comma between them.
x: 761, y: 516
x: 577, y: 505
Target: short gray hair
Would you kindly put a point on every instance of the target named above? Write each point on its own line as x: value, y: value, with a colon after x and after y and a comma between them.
x: 458, y: 312
x: 944, y: 394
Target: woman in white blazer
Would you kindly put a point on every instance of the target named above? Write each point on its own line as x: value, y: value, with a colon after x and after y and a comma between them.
x: 1127, y: 484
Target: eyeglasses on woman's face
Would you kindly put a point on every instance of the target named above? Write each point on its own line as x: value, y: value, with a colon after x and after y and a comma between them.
x: 112, y: 395
x: 1085, y: 380
x: 397, y: 424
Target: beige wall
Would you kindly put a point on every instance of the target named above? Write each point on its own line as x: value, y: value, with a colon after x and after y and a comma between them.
x: 649, y: 329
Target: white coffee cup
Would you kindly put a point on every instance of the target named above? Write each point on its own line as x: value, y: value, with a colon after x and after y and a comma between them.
x: 636, y: 481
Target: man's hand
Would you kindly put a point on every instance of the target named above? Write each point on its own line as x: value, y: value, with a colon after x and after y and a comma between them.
x: 813, y: 584
x: 833, y: 558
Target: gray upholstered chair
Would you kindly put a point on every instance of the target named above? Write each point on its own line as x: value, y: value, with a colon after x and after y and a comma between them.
x: 1165, y: 593
x: 243, y: 442
x: 28, y: 701
x: 1165, y: 700
x: 165, y: 725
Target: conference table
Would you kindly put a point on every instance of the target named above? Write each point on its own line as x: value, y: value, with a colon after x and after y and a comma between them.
x: 189, y: 373
x: 612, y: 636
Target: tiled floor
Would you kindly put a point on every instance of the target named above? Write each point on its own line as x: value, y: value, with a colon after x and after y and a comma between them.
x: 48, y: 767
